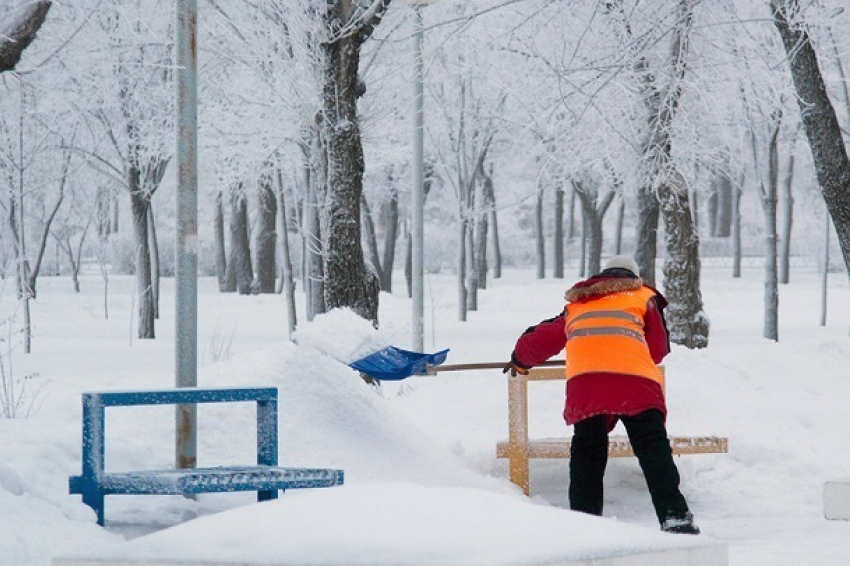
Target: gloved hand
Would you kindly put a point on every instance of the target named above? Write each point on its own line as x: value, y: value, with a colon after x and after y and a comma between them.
x: 514, y: 369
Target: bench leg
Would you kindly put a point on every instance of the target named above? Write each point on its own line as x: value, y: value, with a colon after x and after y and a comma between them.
x: 93, y: 497
x: 266, y: 495
x: 519, y: 467
x: 518, y: 431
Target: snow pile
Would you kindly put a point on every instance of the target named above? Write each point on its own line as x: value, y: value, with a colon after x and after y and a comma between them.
x: 422, y: 480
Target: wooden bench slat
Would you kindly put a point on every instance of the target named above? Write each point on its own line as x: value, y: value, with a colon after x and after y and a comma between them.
x: 618, y: 446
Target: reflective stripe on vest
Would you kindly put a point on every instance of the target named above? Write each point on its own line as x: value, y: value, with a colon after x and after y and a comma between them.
x: 605, y: 335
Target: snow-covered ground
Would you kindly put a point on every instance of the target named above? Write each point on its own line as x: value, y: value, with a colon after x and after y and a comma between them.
x: 422, y: 481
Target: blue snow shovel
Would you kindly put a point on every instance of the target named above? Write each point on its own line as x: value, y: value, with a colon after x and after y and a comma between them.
x: 393, y: 364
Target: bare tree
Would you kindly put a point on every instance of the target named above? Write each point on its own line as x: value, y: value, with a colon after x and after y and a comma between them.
x: 135, y: 115
x: 664, y: 183
x: 470, y: 125
x: 387, y: 213
x: 15, y: 36
x: 819, y: 119
x: 348, y: 281
x: 143, y: 179
x: 767, y: 182
x: 594, y: 204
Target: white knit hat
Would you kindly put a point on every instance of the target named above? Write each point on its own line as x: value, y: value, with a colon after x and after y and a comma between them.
x: 623, y: 262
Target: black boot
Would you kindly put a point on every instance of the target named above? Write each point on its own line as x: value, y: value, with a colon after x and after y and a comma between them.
x: 680, y: 525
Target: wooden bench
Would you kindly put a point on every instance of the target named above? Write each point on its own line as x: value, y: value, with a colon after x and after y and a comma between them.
x: 266, y: 477
x: 518, y: 448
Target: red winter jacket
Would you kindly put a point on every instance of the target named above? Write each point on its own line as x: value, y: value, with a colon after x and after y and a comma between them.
x: 591, y: 394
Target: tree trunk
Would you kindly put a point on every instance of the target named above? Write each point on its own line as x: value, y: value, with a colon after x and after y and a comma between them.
x: 787, y: 221
x: 723, y: 220
x: 104, y: 274
x: 694, y: 200
x: 286, y: 261
x: 370, y: 240
x: 266, y: 234
x: 72, y: 263
x: 390, y: 238
x: 686, y: 321
x: 314, y: 275
x: 115, y: 213
x: 14, y: 41
x: 79, y: 258
x: 585, y: 226
x: 711, y: 205
x: 539, y: 238
x: 154, y: 250
x: 621, y: 218
x: 571, y: 224
x: 494, y: 224
x: 647, y: 234
x: 769, y: 201
x: 558, y: 237
x: 240, y: 274
x: 103, y: 200
x: 481, y: 249
x: 594, y: 256
x: 144, y: 287
x: 477, y: 233
x: 820, y: 121
x: 737, y: 192
x: 16, y: 227
x: 461, y: 269
x: 220, y: 249
x: 824, y: 279
x: 471, y: 262
x: 348, y: 283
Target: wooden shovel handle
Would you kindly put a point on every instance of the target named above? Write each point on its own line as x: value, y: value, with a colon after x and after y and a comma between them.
x: 486, y: 365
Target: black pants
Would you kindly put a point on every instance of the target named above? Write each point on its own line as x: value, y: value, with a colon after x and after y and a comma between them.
x: 648, y: 436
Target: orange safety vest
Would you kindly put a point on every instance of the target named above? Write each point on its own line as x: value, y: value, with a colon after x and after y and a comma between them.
x: 605, y: 335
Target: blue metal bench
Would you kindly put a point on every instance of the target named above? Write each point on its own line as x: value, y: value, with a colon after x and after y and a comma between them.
x: 266, y: 478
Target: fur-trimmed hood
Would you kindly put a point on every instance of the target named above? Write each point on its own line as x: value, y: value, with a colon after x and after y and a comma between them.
x: 602, y: 284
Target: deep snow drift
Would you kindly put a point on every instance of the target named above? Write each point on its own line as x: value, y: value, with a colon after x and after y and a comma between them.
x: 422, y: 480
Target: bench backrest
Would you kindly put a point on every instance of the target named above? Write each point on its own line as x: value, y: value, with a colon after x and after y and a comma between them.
x: 95, y: 403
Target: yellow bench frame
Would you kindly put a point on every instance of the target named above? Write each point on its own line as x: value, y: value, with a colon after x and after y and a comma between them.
x: 519, y: 448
